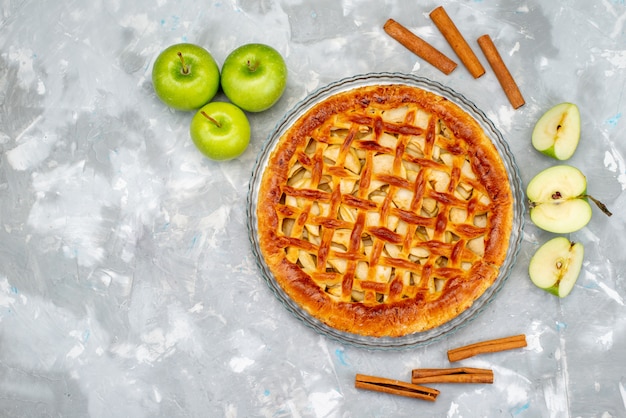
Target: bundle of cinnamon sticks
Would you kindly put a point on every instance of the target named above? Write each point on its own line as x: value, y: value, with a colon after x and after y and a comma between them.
x: 461, y: 48
x: 415, y: 388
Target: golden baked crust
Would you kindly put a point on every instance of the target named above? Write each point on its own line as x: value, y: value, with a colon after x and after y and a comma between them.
x: 384, y: 211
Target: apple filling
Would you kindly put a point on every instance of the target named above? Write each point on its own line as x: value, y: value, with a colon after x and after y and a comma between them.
x: 376, y: 216
x: 384, y: 210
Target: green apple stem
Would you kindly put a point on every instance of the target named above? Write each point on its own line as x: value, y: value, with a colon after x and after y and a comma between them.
x: 600, y: 205
x: 185, y: 69
x: 252, y: 66
x: 213, y: 120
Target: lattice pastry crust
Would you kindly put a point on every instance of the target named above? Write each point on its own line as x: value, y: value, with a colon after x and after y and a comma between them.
x: 384, y: 211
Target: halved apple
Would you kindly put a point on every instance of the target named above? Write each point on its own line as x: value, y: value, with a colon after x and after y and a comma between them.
x: 558, y: 201
x: 555, y: 266
x: 557, y: 131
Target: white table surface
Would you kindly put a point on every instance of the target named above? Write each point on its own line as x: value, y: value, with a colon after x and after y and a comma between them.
x: 127, y: 284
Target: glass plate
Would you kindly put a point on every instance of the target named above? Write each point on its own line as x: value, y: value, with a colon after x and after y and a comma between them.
x: 415, y: 339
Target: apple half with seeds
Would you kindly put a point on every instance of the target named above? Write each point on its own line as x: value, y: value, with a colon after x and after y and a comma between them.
x: 559, y: 201
x: 556, y: 265
x: 557, y: 132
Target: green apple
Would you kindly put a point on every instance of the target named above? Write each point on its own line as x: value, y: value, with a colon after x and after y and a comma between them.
x: 254, y: 77
x: 220, y: 130
x: 185, y: 76
x: 555, y: 266
x: 558, y: 200
x: 557, y: 132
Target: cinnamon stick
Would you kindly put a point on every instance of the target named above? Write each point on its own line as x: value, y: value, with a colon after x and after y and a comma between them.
x: 452, y: 375
x: 395, y: 387
x: 419, y: 47
x: 489, y: 346
x: 502, y: 72
x: 456, y: 40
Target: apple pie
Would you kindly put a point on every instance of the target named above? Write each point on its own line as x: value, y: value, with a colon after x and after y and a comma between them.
x: 384, y: 210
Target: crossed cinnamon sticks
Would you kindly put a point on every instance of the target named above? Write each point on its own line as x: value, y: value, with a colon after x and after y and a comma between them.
x: 414, y: 389
x: 461, y: 48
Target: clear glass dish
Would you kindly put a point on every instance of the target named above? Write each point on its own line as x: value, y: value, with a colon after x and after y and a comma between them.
x: 420, y: 338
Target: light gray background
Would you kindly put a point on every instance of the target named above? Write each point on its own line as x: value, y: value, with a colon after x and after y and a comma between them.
x: 127, y: 283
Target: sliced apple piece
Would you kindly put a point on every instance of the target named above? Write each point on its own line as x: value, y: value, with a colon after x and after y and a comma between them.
x: 557, y: 199
x: 557, y: 131
x: 556, y: 265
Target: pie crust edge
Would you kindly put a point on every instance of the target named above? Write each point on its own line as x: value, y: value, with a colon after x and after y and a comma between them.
x: 406, y: 316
